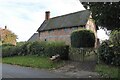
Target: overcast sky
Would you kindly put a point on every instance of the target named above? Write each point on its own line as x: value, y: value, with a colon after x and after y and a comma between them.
x: 23, y: 17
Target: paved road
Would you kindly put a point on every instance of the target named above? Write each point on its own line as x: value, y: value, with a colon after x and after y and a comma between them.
x: 0, y: 70
x: 13, y: 71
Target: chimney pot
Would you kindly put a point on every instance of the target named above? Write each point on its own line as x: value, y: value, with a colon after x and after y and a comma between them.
x: 5, y: 27
x: 47, y: 15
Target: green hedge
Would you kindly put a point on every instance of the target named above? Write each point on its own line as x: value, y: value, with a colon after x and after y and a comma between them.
x: 5, y: 45
x: 109, y: 50
x: 115, y: 37
x: 37, y: 48
x: 11, y: 50
x: 23, y: 49
x: 61, y: 50
x: 6, y: 51
x: 82, y: 38
x: 109, y: 53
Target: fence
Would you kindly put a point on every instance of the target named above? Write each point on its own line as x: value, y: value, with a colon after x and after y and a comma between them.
x: 83, y: 54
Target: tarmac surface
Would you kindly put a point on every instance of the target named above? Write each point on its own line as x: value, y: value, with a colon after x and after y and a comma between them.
x: 14, y: 71
x: 70, y: 70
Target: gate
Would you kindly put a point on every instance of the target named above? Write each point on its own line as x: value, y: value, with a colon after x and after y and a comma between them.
x: 83, y: 54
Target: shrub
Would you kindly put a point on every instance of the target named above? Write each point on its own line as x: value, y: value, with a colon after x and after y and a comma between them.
x: 82, y: 38
x: 20, y: 43
x: 8, y: 51
x: 115, y: 37
x: 52, y: 48
x: 48, y: 49
x: 55, y: 43
x: 36, y: 48
x: 61, y: 50
x: 17, y: 50
x: 23, y: 49
x: 6, y: 45
x: 5, y: 51
x: 109, y: 53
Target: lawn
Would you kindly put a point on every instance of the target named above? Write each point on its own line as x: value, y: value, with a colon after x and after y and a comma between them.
x: 108, y: 71
x: 33, y: 61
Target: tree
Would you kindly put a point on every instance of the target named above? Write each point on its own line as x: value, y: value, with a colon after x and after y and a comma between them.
x: 7, y: 37
x: 106, y: 15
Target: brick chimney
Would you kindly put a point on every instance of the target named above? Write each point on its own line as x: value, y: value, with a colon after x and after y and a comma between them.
x: 47, y: 15
x: 5, y: 27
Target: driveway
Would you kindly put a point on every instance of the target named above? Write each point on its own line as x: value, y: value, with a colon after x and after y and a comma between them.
x: 79, y: 69
x: 13, y: 71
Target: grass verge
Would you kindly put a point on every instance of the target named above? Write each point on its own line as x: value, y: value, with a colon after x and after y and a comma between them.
x: 33, y: 61
x: 108, y: 71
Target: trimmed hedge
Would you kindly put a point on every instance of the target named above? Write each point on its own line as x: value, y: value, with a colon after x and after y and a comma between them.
x: 7, y: 49
x: 5, y: 45
x: 82, y: 39
x: 11, y: 50
x: 38, y: 48
x: 61, y: 50
x: 23, y: 49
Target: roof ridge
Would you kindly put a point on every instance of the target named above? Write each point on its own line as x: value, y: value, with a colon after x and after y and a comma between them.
x: 68, y: 14
x: 71, y: 19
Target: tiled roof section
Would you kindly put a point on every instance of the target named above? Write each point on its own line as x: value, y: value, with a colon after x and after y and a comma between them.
x: 34, y: 37
x: 64, y: 21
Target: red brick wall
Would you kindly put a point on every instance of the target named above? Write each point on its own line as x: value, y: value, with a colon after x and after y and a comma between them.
x: 64, y: 34
x: 57, y: 35
x: 91, y: 26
